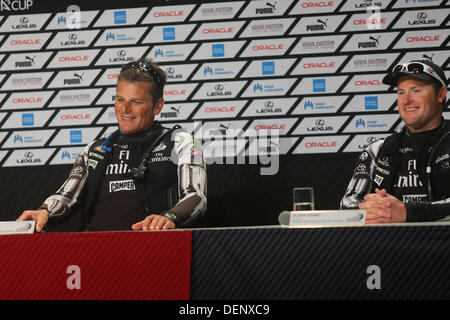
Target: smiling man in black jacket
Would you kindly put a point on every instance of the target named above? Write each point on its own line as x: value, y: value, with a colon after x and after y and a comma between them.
x: 142, y: 177
x: 406, y: 177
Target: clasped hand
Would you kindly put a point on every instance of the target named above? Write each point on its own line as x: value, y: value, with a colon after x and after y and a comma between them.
x: 383, y: 208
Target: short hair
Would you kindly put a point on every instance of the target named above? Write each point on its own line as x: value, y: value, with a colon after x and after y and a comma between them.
x: 144, y: 69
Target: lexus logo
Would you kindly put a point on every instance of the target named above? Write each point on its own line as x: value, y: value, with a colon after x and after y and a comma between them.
x: 170, y: 70
x: 320, y: 122
x: 23, y: 20
x: 422, y: 15
x: 28, y: 155
x: 268, y: 104
x: 121, y: 53
x: 371, y: 139
x: 218, y: 87
x: 73, y: 36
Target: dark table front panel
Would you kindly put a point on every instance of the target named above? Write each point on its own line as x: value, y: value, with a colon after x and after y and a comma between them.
x: 371, y: 262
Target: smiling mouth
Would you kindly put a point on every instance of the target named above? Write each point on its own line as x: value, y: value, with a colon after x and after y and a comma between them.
x: 128, y: 118
x: 410, y: 109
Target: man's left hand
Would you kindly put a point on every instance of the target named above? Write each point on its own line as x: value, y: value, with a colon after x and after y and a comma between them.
x: 154, y: 222
x: 383, y: 208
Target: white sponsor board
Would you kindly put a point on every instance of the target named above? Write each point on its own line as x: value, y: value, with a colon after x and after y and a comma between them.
x: 362, y: 141
x: 268, y: 68
x: 26, y: 61
x: 178, y: 92
x: 265, y: 8
x: 66, y: 155
x: 120, y: 55
x: 26, y: 81
x: 269, y: 87
x: 176, y: 111
x: 74, y: 78
x: 267, y: 28
x: 72, y: 20
x: 72, y: 97
x: 371, y: 123
x: 29, y: 157
x: 72, y: 39
x: 305, y: 7
x: 217, y: 11
x: 319, y: 85
x: 168, y: 14
x: 317, y: 65
x: 27, y: 100
x: 220, y: 109
x: 169, y: 33
x: 75, y: 58
x: 269, y: 107
x: 320, y: 125
x: 25, y: 42
x: 174, y: 52
x: 27, y: 119
x: 119, y: 17
x: 28, y: 138
x: 321, y: 104
x: 219, y: 70
x: 267, y: 47
x: 321, y: 144
x: 219, y: 90
x: 218, y: 50
x: 120, y: 36
x: 81, y: 136
x: 75, y: 117
x: 24, y: 23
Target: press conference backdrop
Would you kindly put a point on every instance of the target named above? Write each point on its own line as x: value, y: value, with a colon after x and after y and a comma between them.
x: 280, y: 93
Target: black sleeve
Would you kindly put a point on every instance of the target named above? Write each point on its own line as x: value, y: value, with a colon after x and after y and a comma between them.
x: 427, y: 211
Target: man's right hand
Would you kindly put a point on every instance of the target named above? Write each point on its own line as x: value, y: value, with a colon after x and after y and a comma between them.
x: 40, y: 216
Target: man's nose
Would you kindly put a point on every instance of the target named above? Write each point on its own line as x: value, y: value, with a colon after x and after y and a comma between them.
x: 407, y: 98
x: 126, y: 106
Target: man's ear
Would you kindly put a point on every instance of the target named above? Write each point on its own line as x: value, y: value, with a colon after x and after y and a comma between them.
x: 442, y: 95
x: 158, y: 107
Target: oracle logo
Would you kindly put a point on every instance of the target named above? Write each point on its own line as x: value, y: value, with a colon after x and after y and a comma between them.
x: 175, y: 92
x: 168, y: 14
x: 270, y: 127
x: 319, y: 65
x: 424, y: 38
x: 112, y: 76
x: 24, y: 42
x: 321, y: 4
x: 220, y: 109
x: 75, y: 116
x: 369, y: 21
x: 325, y: 144
x: 27, y: 100
x: 261, y: 47
x: 73, y: 58
x: 376, y: 82
x: 218, y: 30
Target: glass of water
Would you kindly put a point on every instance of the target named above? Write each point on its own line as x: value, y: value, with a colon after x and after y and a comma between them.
x: 303, y: 198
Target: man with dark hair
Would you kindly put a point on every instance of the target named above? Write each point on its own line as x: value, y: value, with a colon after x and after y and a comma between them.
x: 406, y: 177
x: 143, y: 176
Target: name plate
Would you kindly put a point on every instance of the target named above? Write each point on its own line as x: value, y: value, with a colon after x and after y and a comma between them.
x: 322, y: 218
x: 17, y: 227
